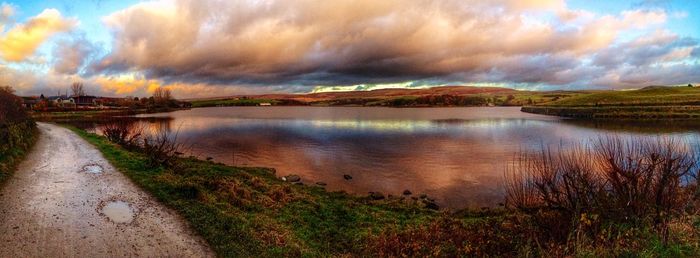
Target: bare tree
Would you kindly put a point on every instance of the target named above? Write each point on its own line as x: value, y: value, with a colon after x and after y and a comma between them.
x: 162, y: 95
x: 167, y: 95
x: 7, y: 89
x: 158, y: 93
x: 78, y: 89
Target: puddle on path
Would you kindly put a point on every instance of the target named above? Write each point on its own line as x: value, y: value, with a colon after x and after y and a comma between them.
x: 118, y: 212
x: 93, y: 169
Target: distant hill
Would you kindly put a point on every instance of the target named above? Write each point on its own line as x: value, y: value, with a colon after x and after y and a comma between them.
x: 436, y: 96
x: 380, y: 93
x: 392, y: 93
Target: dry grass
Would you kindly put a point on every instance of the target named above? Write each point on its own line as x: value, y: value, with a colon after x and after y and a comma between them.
x: 161, y: 147
x: 583, y: 189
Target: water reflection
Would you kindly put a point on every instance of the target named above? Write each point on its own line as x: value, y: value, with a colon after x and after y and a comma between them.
x: 456, y: 155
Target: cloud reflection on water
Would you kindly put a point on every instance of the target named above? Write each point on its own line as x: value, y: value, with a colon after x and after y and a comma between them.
x: 456, y: 155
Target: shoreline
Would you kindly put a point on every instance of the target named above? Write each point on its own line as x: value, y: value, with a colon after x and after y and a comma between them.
x: 618, y: 112
x: 62, y: 116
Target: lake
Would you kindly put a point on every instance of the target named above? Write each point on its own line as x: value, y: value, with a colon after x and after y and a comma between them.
x: 455, y: 155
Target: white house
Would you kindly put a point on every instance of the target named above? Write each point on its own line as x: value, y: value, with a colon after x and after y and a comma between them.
x: 61, y: 101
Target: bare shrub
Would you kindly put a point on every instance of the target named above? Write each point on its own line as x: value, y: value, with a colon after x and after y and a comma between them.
x: 631, y: 180
x: 646, y: 177
x: 123, y: 132
x: 162, y: 148
x: 11, y: 110
x: 555, y: 187
x: 561, y: 181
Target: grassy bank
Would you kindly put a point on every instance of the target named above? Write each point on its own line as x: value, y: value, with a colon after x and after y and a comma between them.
x: 16, y: 139
x: 17, y: 132
x: 626, y: 112
x: 646, y: 103
x: 250, y: 212
x: 95, y: 114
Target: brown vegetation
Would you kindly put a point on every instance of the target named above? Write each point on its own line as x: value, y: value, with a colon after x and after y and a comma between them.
x: 17, y: 131
x: 584, y: 190
x: 11, y: 110
x: 123, y: 132
x: 449, y: 237
x: 161, y: 146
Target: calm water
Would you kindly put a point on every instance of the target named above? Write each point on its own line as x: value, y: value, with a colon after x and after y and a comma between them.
x: 455, y: 155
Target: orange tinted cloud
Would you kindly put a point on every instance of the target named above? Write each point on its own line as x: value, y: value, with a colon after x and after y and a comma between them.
x: 133, y: 85
x: 126, y: 85
x: 22, y: 40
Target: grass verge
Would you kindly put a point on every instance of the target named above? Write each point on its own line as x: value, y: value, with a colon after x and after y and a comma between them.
x: 22, y: 138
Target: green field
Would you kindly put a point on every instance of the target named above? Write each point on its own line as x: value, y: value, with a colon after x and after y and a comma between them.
x: 647, y: 103
x: 231, y: 102
x: 649, y: 96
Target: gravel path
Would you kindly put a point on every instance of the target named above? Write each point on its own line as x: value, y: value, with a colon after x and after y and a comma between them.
x: 66, y: 200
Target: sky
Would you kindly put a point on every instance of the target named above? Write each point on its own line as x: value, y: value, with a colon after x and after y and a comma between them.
x: 204, y: 48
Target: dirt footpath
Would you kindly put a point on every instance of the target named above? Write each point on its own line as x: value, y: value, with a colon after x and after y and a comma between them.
x: 66, y: 200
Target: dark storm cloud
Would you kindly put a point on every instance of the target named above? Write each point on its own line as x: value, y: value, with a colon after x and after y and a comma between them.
x: 306, y: 43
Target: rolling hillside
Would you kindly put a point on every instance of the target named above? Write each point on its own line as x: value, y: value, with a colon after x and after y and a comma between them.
x: 648, y: 96
x: 436, y: 96
x: 654, y: 102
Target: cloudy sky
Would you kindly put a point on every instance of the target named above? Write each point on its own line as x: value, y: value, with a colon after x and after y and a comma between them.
x: 201, y: 48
